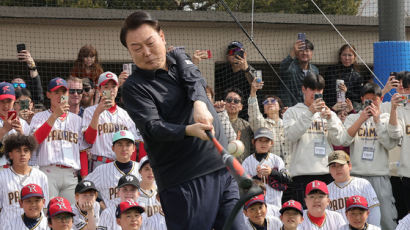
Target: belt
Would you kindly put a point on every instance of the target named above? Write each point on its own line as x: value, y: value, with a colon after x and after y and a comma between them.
x: 63, y: 166
x: 102, y: 159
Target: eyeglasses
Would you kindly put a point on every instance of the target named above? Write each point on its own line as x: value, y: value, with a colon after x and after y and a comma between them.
x: 232, y: 51
x: 73, y: 91
x: 21, y: 85
x: 87, y: 89
x: 269, y: 101
x: 234, y: 100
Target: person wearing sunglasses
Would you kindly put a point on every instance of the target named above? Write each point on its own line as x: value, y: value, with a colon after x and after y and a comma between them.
x: 88, y: 97
x: 233, y: 106
x: 272, y: 108
x: 75, y: 93
x: 236, y: 72
x: 34, y: 85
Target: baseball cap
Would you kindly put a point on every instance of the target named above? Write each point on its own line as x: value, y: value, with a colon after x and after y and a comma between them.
x: 122, y: 134
x: 84, y: 186
x: 291, y: 204
x: 235, y: 44
x: 31, y: 190
x: 143, y: 162
x: 356, y: 202
x: 107, y: 76
x: 7, y: 91
x: 263, y: 132
x: 256, y: 199
x: 338, y: 156
x: 128, y: 180
x: 316, y: 185
x: 127, y: 205
x: 60, y: 206
x: 56, y: 83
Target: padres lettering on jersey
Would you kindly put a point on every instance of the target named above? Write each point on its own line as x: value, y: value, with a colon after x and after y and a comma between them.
x: 110, y: 128
x: 337, y: 204
x: 60, y: 135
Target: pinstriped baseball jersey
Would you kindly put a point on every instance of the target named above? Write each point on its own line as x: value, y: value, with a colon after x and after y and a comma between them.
x: 356, y: 186
x: 154, y: 222
x: 106, y: 177
x: 273, y: 223
x: 108, y: 124
x: 11, y: 184
x: 147, y: 199
x: 18, y: 223
x: 80, y: 218
x: 250, y: 164
x: 108, y: 220
x: 369, y: 227
x: 333, y: 221
x: 404, y: 224
x: 62, y: 146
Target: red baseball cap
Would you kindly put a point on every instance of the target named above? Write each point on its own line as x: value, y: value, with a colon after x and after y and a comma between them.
x: 291, y: 204
x: 126, y: 205
x: 60, y: 206
x: 356, y: 202
x: 31, y: 190
x: 316, y: 185
x: 256, y: 199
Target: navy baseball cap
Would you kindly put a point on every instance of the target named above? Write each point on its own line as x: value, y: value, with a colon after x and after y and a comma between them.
x: 7, y: 91
x: 234, y: 45
x: 56, y: 83
x: 85, y: 186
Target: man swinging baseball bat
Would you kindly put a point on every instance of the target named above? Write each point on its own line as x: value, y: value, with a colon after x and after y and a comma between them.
x: 165, y: 96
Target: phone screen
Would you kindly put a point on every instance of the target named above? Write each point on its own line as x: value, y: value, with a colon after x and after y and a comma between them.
x: 24, y: 104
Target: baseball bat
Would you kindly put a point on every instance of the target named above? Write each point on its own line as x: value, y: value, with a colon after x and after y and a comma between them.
x: 246, y: 187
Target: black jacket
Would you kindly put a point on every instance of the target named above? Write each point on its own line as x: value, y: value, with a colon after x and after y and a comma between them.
x: 352, y: 79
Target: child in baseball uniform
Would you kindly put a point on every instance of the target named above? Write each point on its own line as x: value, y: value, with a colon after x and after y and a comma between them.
x: 399, y: 127
x: 106, y: 176
x: 102, y: 120
x: 291, y: 215
x: 58, y: 133
x: 18, y: 149
x: 86, y: 209
x: 345, y: 186
x: 317, y: 216
x: 367, y: 135
x: 60, y: 215
x: 148, y: 189
x: 357, y: 212
x: 10, y: 122
x: 255, y: 211
x: 312, y: 128
x: 267, y: 167
x: 32, y: 202
x: 129, y: 215
x: 128, y: 186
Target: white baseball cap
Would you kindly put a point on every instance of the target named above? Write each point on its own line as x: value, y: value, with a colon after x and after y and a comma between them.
x: 107, y: 76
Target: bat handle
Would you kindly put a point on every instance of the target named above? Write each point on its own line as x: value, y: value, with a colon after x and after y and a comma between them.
x: 209, y: 134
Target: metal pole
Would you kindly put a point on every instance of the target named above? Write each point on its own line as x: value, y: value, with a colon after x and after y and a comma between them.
x: 391, y: 20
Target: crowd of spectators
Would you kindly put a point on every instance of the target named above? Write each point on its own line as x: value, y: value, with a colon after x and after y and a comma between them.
x: 319, y: 148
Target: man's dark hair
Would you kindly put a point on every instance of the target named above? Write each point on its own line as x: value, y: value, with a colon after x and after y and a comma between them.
x: 406, y: 80
x: 15, y: 141
x: 314, y: 81
x: 22, y: 92
x: 371, y: 88
x: 309, y: 45
x: 134, y: 21
x: 234, y: 90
